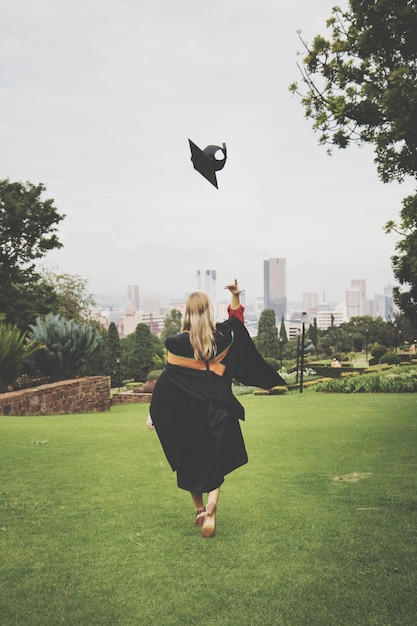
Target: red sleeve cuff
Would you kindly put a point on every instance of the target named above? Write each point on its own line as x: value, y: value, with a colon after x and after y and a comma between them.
x: 238, y: 313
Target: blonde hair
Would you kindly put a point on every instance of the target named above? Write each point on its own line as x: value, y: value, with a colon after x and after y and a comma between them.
x: 198, y: 320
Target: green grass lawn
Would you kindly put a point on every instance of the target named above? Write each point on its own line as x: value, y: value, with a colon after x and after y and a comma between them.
x: 319, y: 529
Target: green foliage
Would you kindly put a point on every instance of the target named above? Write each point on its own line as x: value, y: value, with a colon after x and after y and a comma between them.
x: 267, y: 338
x: 153, y: 375
x: 371, y: 383
x: 391, y: 358
x: 312, y: 333
x: 27, y: 233
x: 274, y: 363
x: 378, y: 351
x: 68, y: 346
x: 404, y: 263
x: 138, y: 352
x: 282, y: 336
x: 72, y: 298
x: 172, y: 324
x: 362, y: 85
x: 112, y: 355
x: 15, y: 349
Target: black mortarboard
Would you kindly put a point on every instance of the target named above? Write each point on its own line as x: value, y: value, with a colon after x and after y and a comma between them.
x: 205, y: 162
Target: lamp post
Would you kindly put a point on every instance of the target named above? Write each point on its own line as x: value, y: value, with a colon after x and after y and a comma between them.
x: 298, y: 358
x: 366, y: 346
x: 118, y: 371
x: 303, y: 334
x: 281, y: 341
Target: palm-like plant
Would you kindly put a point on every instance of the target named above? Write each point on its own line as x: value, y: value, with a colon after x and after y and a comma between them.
x: 15, y: 349
x: 67, y: 346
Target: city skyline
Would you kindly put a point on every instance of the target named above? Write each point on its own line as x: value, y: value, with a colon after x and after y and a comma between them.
x: 307, y: 300
x: 212, y: 283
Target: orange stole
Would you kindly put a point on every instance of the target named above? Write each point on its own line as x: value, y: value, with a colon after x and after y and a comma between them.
x: 214, y: 365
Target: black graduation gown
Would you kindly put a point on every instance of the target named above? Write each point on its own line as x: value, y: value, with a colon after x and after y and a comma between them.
x: 195, y: 413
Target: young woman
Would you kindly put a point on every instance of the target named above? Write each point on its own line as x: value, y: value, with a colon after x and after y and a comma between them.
x: 193, y: 409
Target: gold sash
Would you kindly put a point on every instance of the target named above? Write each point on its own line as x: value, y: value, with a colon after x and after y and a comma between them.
x: 214, y: 364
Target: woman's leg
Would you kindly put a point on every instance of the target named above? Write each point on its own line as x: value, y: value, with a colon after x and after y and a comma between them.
x: 200, y: 509
x: 209, y: 524
x: 197, y: 499
x: 213, y: 496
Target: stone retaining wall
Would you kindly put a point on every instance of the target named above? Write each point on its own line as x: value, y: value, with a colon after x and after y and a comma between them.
x: 79, y: 395
x: 128, y: 398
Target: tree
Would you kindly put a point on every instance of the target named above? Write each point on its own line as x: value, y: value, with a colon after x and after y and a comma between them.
x: 283, y: 332
x: 172, y: 324
x: 27, y: 233
x: 140, y: 348
x: 24, y: 302
x: 313, y: 333
x: 362, y: 82
x: 405, y: 262
x: 112, y: 355
x: 72, y: 298
x: 362, y: 86
x: 267, y: 338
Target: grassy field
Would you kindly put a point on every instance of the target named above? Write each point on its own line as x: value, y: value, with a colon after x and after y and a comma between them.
x: 319, y: 529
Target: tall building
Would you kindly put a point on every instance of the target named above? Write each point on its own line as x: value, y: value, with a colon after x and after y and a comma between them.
x: 275, y: 287
x: 311, y: 303
x: 356, y: 298
x: 132, y: 300
x: 206, y: 281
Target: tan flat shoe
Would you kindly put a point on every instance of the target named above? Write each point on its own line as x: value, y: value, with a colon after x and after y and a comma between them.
x: 209, y: 524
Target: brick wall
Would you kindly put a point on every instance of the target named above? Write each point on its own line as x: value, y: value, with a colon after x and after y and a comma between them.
x: 79, y: 395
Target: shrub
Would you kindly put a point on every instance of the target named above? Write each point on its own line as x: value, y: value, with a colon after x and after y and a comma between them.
x: 372, y: 383
x: 153, y: 375
x: 15, y: 349
x: 279, y: 390
x: 274, y: 363
x: 378, y: 351
x: 391, y: 358
x: 67, y: 346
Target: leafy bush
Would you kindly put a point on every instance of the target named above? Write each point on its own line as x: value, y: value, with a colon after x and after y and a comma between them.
x: 391, y: 358
x: 372, y: 383
x: 274, y: 363
x: 279, y: 390
x: 154, y: 375
x: 15, y: 349
x: 67, y: 346
x: 378, y: 351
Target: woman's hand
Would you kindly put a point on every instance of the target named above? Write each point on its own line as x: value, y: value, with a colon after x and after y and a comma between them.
x: 234, y: 288
x: 149, y: 423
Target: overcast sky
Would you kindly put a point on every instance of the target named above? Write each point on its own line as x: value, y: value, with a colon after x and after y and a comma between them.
x: 98, y: 99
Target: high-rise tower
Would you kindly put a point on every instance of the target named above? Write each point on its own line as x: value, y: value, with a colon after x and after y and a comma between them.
x: 132, y: 300
x: 275, y: 286
x: 206, y: 281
